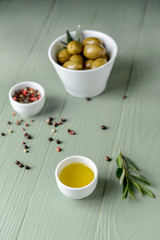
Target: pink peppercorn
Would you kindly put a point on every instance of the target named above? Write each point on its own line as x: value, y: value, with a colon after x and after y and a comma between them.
x: 58, y: 149
x: 26, y: 124
x: 13, y: 114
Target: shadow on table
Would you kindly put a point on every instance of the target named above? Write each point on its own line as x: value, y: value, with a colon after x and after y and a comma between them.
x: 52, y: 104
x: 103, y: 188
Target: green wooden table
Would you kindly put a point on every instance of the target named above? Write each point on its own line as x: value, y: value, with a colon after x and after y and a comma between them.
x: 31, y: 206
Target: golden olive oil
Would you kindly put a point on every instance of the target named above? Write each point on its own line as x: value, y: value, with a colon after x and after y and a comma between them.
x: 76, y: 175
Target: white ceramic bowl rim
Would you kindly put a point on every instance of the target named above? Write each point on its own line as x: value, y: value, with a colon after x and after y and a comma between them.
x: 28, y: 84
x: 79, y: 188
x: 87, y: 70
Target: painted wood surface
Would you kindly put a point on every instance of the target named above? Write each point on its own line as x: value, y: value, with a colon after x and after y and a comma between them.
x: 31, y: 206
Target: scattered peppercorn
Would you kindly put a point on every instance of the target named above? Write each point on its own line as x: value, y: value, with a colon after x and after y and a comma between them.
x: 26, y: 124
x: 88, y: 99
x: 59, y: 149
x: 8, y: 122
x: 124, y: 96
x: 107, y: 158
x: 3, y: 134
x: 58, y: 142
x: 18, y: 122
x: 25, y: 150
x: 72, y: 133
x: 10, y: 131
x: 53, y: 130
x: 23, y: 143
x: 103, y: 127
x: 48, y: 121
x: 59, y: 123
x: 13, y: 114
x: 50, y: 139
x: 27, y: 167
x: 29, y: 136
x: 63, y: 119
x: 32, y: 120
x: 17, y: 162
x: 68, y: 130
x: 26, y: 147
x: 55, y: 124
x: 21, y: 120
x: 21, y: 165
x: 23, y: 129
x: 26, y: 134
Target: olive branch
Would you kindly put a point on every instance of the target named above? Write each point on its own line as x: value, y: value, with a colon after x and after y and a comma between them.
x: 129, y: 180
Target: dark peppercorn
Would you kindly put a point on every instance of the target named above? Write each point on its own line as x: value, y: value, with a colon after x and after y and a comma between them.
x: 3, y: 134
x: 26, y: 134
x: 88, y: 99
x: 59, y: 123
x: 55, y: 124
x: 50, y: 139
x: 124, y: 96
x: 17, y: 162
x: 29, y: 137
x: 26, y: 124
x: 50, y: 118
x: 103, y: 127
x: 26, y: 147
x: 21, y: 165
x: 27, y: 167
x: 23, y: 129
x: 58, y: 142
x: 23, y: 143
x: 108, y: 158
x: 63, y: 119
x: 8, y: 122
x: 68, y: 130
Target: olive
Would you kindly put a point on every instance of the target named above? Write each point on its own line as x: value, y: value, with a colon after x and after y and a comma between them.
x: 91, y: 40
x: 73, y: 65
x: 63, y: 56
x: 93, y: 51
x: 88, y: 64
x: 74, y: 47
x: 98, y: 62
x: 76, y: 58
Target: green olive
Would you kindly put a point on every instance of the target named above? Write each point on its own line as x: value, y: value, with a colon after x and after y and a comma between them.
x: 73, y: 65
x: 74, y: 47
x: 91, y: 40
x: 63, y: 56
x: 93, y: 51
x: 76, y: 58
x: 88, y: 64
x: 98, y: 62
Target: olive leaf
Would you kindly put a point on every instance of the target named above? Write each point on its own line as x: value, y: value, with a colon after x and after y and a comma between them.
x: 140, y: 179
x: 69, y: 37
x: 125, y: 170
x: 125, y: 190
x: 64, y: 43
x: 119, y: 172
x: 145, y: 190
x: 130, y: 190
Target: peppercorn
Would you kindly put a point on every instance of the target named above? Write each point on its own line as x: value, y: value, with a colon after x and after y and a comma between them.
x: 107, y: 158
x: 29, y: 137
x: 21, y: 165
x: 3, y: 134
x: 17, y: 122
x: 124, y: 96
x: 26, y: 124
x: 88, y: 99
x: 53, y: 130
x: 17, y: 162
x: 8, y: 122
x: 23, y: 143
x: 50, y: 139
x: 59, y: 149
x: 25, y: 150
x: 26, y: 134
x: 10, y: 131
x: 48, y: 121
x: 59, y: 123
x: 63, y: 119
x: 58, y: 142
x: 55, y: 124
x: 26, y: 147
x: 27, y: 167
x: 103, y: 127
x: 68, y: 130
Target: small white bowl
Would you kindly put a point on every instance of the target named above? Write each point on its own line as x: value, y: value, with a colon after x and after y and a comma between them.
x: 76, y: 193
x: 84, y: 83
x: 27, y: 109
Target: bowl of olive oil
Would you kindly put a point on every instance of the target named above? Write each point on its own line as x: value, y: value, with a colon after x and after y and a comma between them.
x: 76, y: 176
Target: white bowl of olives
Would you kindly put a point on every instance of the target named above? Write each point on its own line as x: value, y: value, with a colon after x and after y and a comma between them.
x: 83, y: 64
